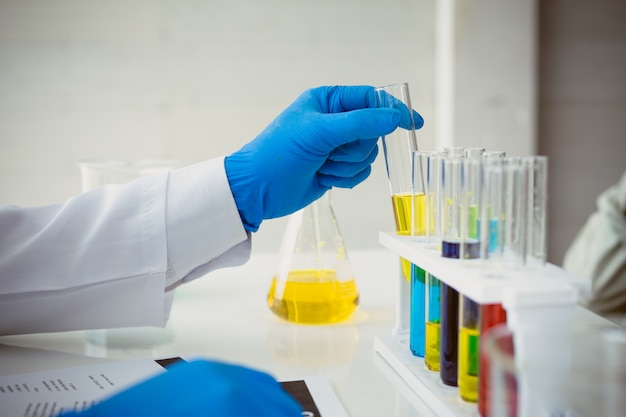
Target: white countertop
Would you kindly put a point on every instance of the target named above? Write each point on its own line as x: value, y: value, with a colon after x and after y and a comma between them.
x: 225, y: 316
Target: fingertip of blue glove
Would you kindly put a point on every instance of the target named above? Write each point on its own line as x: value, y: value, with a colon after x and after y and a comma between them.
x: 418, y: 120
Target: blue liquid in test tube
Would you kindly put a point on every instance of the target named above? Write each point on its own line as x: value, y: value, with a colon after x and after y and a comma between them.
x: 417, y: 327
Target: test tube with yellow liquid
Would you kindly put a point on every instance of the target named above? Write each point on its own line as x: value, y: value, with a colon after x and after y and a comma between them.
x: 314, y: 283
x: 407, y: 205
x: 434, y: 234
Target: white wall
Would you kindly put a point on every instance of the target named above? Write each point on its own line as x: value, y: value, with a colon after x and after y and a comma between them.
x: 582, y: 109
x: 195, y: 79
x: 495, y: 78
x: 191, y: 80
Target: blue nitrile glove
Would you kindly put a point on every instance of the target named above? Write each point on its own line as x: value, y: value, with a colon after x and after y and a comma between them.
x: 326, y: 138
x: 200, y: 389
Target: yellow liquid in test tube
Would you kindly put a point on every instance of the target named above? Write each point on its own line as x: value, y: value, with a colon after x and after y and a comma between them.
x: 313, y: 297
x: 403, y: 207
x: 468, y: 364
x: 431, y: 358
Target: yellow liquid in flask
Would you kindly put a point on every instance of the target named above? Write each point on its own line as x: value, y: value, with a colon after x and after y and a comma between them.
x: 313, y: 296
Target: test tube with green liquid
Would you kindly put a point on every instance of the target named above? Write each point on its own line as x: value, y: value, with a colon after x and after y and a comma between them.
x: 469, y: 334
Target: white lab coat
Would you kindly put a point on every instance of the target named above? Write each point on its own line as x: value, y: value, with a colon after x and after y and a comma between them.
x: 109, y: 257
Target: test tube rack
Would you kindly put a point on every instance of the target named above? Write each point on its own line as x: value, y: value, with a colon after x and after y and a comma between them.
x: 523, y: 293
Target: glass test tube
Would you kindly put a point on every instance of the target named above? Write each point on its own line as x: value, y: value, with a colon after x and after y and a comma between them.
x: 433, y: 323
x: 449, y: 336
x: 449, y: 303
x: 492, y: 218
x: 491, y: 315
x: 469, y: 331
x: 417, y: 324
x: 398, y: 148
x: 492, y: 208
x: 514, y: 230
x: 469, y: 339
x: 434, y: 214
x: 536, y: 168
x: 505, y: 207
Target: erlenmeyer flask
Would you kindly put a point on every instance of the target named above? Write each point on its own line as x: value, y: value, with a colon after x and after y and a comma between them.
x: 314, y: 283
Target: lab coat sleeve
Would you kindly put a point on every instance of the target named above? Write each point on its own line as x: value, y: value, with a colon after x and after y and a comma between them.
x: 106, y: 257
x: 598, y: 252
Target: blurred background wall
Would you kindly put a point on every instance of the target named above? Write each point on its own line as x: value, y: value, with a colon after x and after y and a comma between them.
x: 581, y: 108
x: 192, y: 80
x: 196, y: 79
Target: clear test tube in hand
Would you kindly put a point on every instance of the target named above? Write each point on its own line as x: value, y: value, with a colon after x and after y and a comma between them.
x: 398, y: 148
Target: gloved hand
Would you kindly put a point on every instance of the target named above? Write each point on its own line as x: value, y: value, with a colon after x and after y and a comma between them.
x: 326, y: 138
x: 200, y: 389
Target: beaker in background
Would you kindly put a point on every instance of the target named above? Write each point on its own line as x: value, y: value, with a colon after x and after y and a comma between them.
x: 128, y: 342
x: 97, y: 172
x: 315, y: 283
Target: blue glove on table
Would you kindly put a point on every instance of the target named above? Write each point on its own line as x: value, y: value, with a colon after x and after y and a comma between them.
x: 200, y: 389
x: 326, y: 138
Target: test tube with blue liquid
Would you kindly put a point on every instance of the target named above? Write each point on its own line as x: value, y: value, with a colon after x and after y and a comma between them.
x: 421, y: 231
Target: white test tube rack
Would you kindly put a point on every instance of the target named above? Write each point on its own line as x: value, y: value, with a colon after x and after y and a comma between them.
x: 547, y: 292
